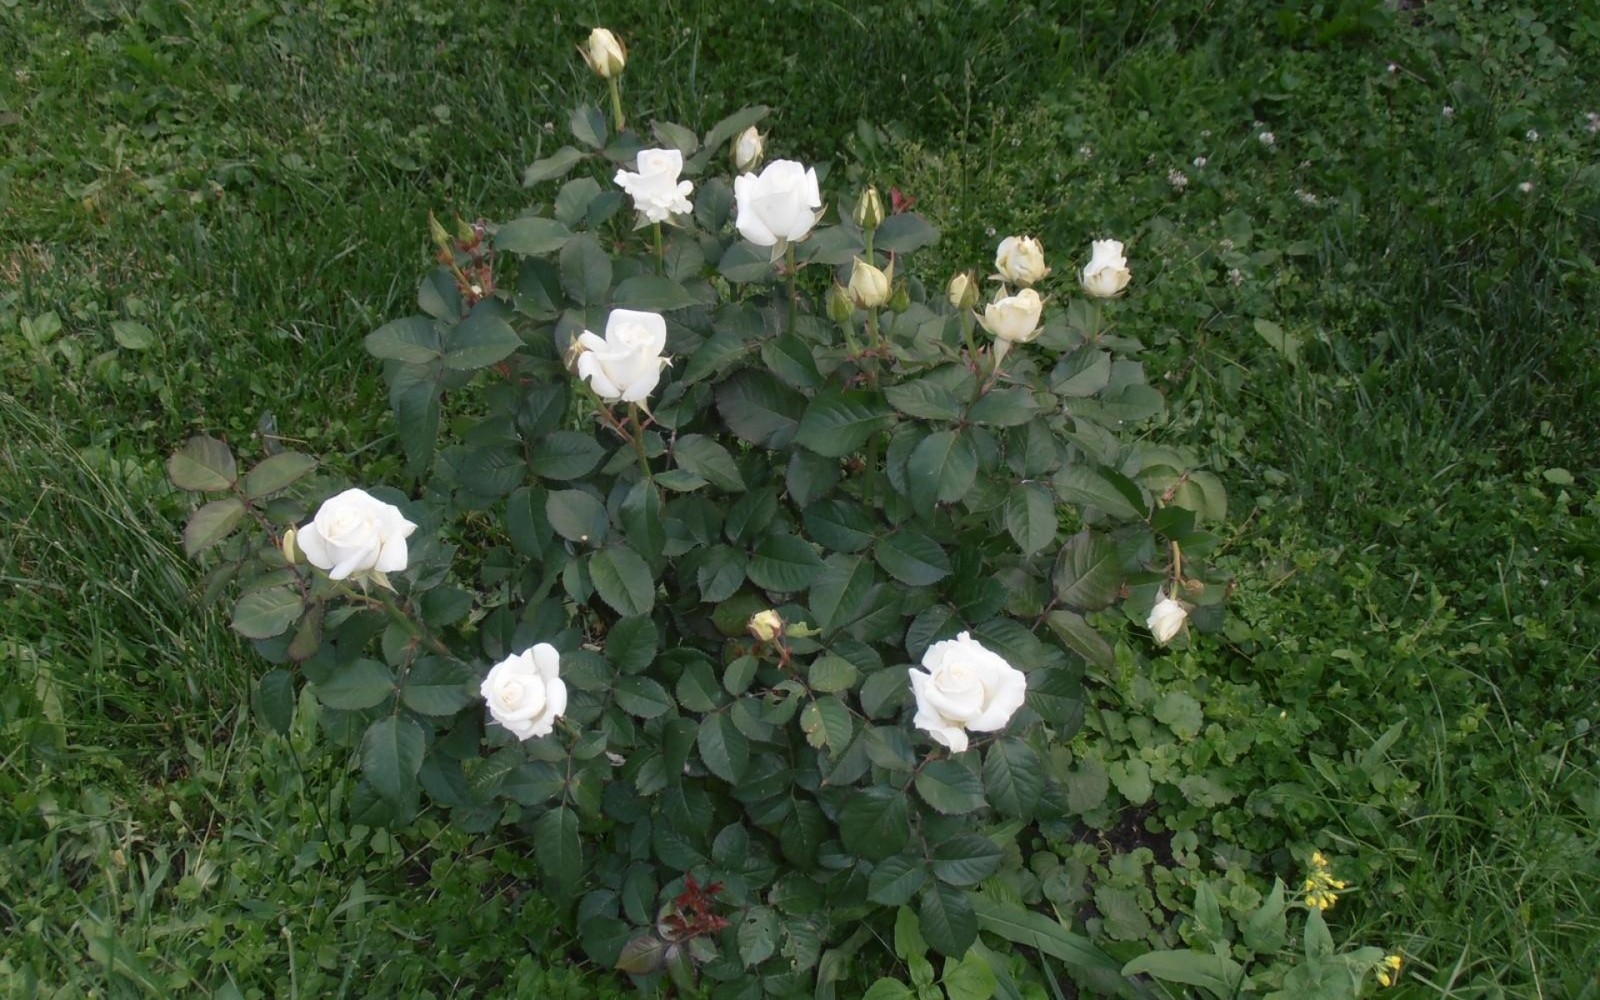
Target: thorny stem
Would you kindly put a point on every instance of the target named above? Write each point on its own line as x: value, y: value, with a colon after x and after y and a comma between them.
x: 402, y: 618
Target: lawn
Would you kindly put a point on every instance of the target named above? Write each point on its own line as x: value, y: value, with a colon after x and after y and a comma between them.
x: 1364, y: 244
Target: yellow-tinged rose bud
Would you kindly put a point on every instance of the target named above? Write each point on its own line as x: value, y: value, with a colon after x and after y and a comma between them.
x: 963, y: 290
x: 437, y: 232
x: 747, y: 150
x: 869, y: 287
x: 838, y: 304
x: 291, y: 554
x: 869, y: 209
x: 766, y: 625
x: 604, y: 53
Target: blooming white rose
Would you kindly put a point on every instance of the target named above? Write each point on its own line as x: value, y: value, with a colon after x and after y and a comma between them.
x: 627, y: 363
x: 966, y: 687
x: 747, y: 149
x: 656, y: 190
x: 1166, y: 619
x: 355, y: 534
x: 604, y: 54
x: 525, y: 692
x: 780, y: 203
x: 1020, y: 260
x: 1014, y: 319
x: 1107, y: 272
x: 869, y: 287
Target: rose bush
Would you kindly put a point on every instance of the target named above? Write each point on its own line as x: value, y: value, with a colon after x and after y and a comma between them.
x: 785, y: 635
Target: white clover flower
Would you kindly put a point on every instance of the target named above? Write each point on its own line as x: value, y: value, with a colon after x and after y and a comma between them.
x: 1235, y: 277
x: 1525, y: 187
x: 1267, y: 139
x: 1533, y: 135
x: 1177, y: 178
x: 1200, y: 162
x: 1448, y: 111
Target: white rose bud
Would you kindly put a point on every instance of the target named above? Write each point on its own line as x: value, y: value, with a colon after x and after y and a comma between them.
x: 525, y: 692
x: 966, y: 687
x: 869, y: 209
x: 657, y: 192
x: 604, y: 54
x: 765, y: 625
x: 626, y: 365
x: 355, y: 534
x: 780, y: 203
x: 1020, y: 260
x: 291, y: 555
x: 1014, y: 318
x: 1106, y: 274
x: 869, y: 287
x: 962, y: 292
x: 1166, y: 619
x: 747, y: 149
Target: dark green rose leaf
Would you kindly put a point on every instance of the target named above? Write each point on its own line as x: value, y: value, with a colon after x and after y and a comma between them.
x: 532, y: 236
x: 1013, y: 777
x: 1105, y: 489
x: 557, y: 164
x: 652, y: 293
x: 565, y: 455
x: 577, y: 516
x: 212, y: 523
x: 357, y: 685
x: 641, y: 696
x: 711, y: 461
x: 1030, y: 516
x: 966, y: 859
x: 413, y: 340
x: 263, y: 614
x: 911, y: 558
x: 874, y: 822
x: 391, y: 754
x: 948, y: 922
x: 895, y: 881
x: 784, y: 563
x: 1088, y: 572
x: 623, y: 580
x: 724, y: 750
x: 905, y: 232
x: 202, y: 465
x: 943, y: 467
x: 760, y: 409
x: 837, y: 423
x: 277, y: 472
x: 950, y: 787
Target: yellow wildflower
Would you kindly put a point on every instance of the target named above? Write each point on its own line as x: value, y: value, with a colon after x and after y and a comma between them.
x: 1389, y: 970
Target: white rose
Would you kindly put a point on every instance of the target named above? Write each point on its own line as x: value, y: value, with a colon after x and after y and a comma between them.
x: 604, y: 54
x: 966, y: 687
x: 355, y: 534
x: 627, y: 364
x: 1166, y: 619
x: 869, y: 287
x: 525, y: 692
x: 747, y: 149
x: 780, y: 203
x: 1107, y: 272
x: 1014, y: 318
x: 1020, y: 260
x: 656, y: 190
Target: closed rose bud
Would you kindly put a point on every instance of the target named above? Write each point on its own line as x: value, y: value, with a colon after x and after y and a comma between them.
x: 1014, y: 318
x: 437, y: 232
x: 766, y: 625
x: 963, y: 290
x: 869, y: 287
x: 1020, y: 260
x: 604, y: 54
x: 1166, y: 620
x: 291, y: 554
x: 1106, y: 274
x: 900, y: 301
x: 747, y: 149
x: 838, y: 304
x: 869, y: 209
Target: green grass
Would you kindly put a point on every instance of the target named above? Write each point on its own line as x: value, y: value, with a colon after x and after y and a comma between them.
x: 1412, y: 462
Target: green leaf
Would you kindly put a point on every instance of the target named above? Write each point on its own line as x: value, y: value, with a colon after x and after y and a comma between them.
x: 757, y: 935
x: 888, y: 989
x: 895, y: 881
x: 1082, y: 373
x: 641, y: 696
x: 202, y: 465
x: 711, y: 461
x: 903, y: 233
x: 827, y: 724
x: 913, y: 559
x: 652, y: 293
x: 831, y: 674
x: 923, y: 398
x: 1081, y: 637
x: 942, y: 467
x: 950, y: 787
x: 585, y: 270
x: 1041, y: 933
x: 789, y: 358
x: 275, y: 700
x: 558, y: 849
x: 391, y: 754
x: 211, y: 524
x: 1267, y: 929
x: 641, y: 514
x: 724, y: 750
x: 698, y: 689
x: 840, y: 525
x: 835, y: 424
x: 577, y: 516
x: 573, y: 202
x: 565, y: 455
x: 588, y: 125
x: 1318, y: 940
x: 357, y: 685
x: 1105, y: 489
x: 720, y: 573
x: 839, y: 591
x: 132, y: 336
x: 759, y: 408
x: 1285, y: 343
x: 970, y: 979
x: 267, y: 613
x: 1218, y: 974
x: 412, y: 340
x: 966, y: 859
x: 437, y: 686
x: 415, y: 400
x: 1030, y: 516
x: 276, y: 472
x: 1013, y: 777
x: 557, y: 164
x: 623, y: 580
x: 479, y: 341
x: 784, y: 563
x: 734, y: 124
x: 532, y: 236
x: 1004, y: 408
x: 1088, y: 573
x: 949, y: 924
x: 631, y: 644
x: 874, y: 823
